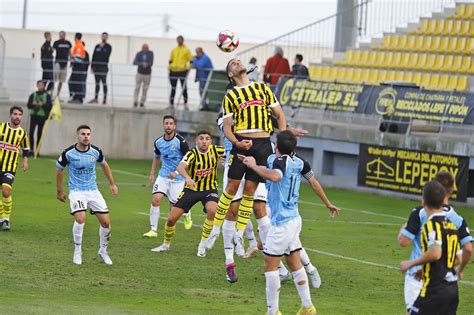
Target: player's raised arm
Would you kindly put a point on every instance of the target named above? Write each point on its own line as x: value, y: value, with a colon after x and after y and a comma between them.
x: 108, y: 173
x: 266, y: 173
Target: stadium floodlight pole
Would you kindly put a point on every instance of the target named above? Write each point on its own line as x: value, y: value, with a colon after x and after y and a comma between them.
x: 25, y: 13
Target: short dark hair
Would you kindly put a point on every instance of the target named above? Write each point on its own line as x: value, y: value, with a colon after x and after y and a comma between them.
x: 47, y: 33
x: 83, y: 127
x: 253, y: 60
x: 203, y: 132
x: 180, y: 36
x: 433, y: 195
x: 39, y: 81
x: 18, y: 108
x: 78, y: 36
x: 286, y: 142
x: 446, y: 179
x: 299, y: 57
x: 105, y: 33
x: 169, y: 117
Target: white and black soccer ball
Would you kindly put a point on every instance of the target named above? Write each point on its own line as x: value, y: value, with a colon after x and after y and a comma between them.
x: 227, y: 41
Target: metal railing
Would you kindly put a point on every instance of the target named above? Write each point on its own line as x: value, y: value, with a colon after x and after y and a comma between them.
x: 316, y: 41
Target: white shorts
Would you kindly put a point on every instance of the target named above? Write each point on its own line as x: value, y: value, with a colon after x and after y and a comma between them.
x: 412, y: 290
x: 83, y: 200
x: 283, y: 239
x: 260, y: 194
x: 168, y: 187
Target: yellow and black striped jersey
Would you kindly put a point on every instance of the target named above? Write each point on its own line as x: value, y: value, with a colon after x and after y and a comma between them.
x: 11, y: 140
x: 202, y: 167
x: 249, y: 107
x: 439, y: 231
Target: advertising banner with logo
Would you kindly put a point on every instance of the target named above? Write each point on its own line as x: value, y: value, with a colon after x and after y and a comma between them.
x: 408, y: 171
x: 390, y: 101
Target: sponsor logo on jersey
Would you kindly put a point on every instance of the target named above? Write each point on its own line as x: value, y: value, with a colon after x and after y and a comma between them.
x: 9, y: 175
x: 8, y: 147
x: 251, y: 103
x: 204, y: 172
x: 92, y: 158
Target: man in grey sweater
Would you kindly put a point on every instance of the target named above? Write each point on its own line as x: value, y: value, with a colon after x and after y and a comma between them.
x: 144, y: 61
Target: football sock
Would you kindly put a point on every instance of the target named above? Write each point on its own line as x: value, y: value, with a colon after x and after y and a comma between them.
x: 245, y: 210
x: 272, y: 291
x: 301, y: 283
x: 169, y: 233
x: 222, y: 208
x: 304, y: 258
x: 282, y: 269
x: 154, y: 217
x: 206, y: 229
x: 264, y: 224
x: 77, y: 231
x: 104, y: 235
x: 250, y: 235
x: 1, y: 211
x: 228, y: 230
x: 7, y: 207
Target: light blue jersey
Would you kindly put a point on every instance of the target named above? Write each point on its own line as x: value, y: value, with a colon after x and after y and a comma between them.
x: 227, y: 143
x: 415, y: 224
x: 283, y: 195
x: 81, y: 167
x: 171, y: 152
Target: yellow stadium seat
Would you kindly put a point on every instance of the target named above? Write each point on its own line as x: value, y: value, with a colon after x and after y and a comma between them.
x: 357, y: 75
x: 423, y: 28
x: 461, y: 28
x: 355, y: 57
x: 341, y: 74
x: 408, y: 77
x: 390, y: 76
x: 438, y: 63
x: 416, y: 78
x: 466, y: 65
x: 349, y: 74
x: 382, y: 75
x: 325, y: 73
x: 379, y: 59
x: 332, y: 73
x: 457, y: 64
x: 315, y: 72
x: 425, y: 43
x: 443, y: 44
x: 401, y: 44
x: 364, y: 55
x: 413, y: 63
x: 434, y: 81
x: 444, y: 27
x: 462, y: 84
x: 373, y: 77
x: 447, y: 64
x: 452, y: 82
x: 443, y: 82
x: 421, y: 62
x: 435, y: 44
x: 404, y: 61
x: 469, y: 13
x: 399, y: 76
x: 430, y: 62
x: 469, y: 47
x: 410, y: 43
x: 396, y: 60
x: 387, y: 42
x: 453, y: 42
x: 432, y: 27
x: 425, y: 80
x: 470, y: 31
x: 461, y: 45
x: 364, y: 77
x: 371, y: 59
x: 418, y: 44
x: 387, y: 59
x: 460, y: 12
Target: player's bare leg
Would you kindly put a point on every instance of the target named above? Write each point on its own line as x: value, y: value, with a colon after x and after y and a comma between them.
x: 170, y: 229
x: 301, y: 283
x: 104, y: 236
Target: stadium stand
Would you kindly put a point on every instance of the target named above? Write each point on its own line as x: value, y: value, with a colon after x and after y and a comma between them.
x: 437, y: 56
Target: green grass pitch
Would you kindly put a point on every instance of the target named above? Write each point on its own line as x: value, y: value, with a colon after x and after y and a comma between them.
x: 38, y: 277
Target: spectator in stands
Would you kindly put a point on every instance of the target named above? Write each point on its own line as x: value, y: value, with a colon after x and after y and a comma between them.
x: 39, y: 104
x: 299, y: 70
x: 203, y: 65
x: 63, y: 50
x: 144, y: 61
x: 252, y: 70
x: 100, y: 67
x: 79, y: 65
x: 47, y: 62
x: 179, y: 65
x: 276, y: 67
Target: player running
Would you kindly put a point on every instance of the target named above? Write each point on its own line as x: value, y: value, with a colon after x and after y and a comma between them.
x: 199, y: 169
x: 412, y: 231
x: 170, y: 148
x: 81, y: 159
x: 284, y: 176
x: 439, y: 249
x: 12, y: 139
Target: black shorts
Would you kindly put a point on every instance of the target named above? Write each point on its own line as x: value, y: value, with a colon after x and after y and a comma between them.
x: 188, y: 198
x: 443, y: 301
x: 7, y: 178
x: 261, y: 149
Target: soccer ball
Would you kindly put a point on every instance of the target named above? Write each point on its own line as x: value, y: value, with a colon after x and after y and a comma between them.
x: 227, y: 41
